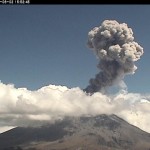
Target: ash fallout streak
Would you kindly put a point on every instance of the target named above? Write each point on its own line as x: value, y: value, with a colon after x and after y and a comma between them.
x: 114, y: 46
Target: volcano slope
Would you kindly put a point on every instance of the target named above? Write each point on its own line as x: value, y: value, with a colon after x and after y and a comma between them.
x: 102, y: 132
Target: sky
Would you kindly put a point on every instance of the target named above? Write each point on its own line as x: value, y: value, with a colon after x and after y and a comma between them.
x: 44, y: 45
x: 47, y: 44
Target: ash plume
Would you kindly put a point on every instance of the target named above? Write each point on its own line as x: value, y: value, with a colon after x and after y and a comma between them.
x: 114, y: 46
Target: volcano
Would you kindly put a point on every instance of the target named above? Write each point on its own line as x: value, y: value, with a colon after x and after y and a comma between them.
x: 101, y: 132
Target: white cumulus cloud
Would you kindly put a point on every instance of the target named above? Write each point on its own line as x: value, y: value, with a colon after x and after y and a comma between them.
x: 22, y: 107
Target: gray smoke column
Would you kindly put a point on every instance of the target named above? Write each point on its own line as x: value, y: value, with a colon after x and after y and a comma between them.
x: 114, y: 45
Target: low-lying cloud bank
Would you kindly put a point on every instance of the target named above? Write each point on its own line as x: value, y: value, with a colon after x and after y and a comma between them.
x: 21, y: 107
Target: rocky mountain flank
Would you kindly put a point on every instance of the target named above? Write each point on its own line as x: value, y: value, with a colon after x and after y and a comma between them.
x: 102, y: 132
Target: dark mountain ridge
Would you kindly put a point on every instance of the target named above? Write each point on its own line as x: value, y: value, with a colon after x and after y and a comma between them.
x: 102, y: 132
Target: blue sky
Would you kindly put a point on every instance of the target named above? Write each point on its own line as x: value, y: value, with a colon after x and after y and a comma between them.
x: 46, y: 44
